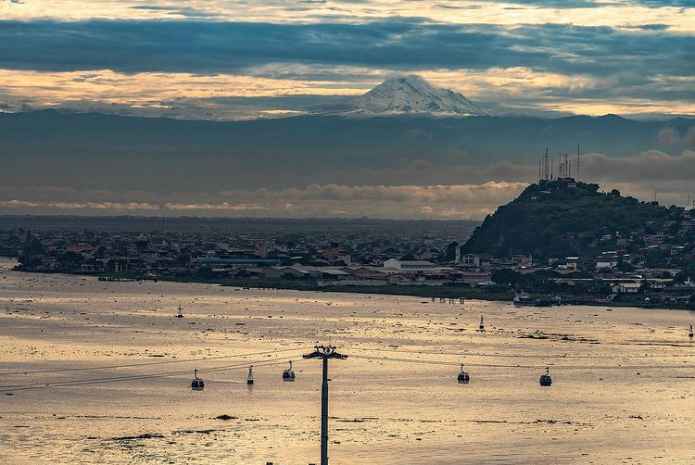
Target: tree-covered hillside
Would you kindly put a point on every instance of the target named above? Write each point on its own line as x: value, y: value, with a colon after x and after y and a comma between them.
x: 564, y: 218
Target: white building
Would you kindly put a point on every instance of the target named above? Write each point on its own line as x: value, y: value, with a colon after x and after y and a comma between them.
x: 408, y: 265
x: 627, y: 288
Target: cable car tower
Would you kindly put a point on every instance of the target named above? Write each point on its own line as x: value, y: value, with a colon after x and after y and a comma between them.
x: 324, y: 353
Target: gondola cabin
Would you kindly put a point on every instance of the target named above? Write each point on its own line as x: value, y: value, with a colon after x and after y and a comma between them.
x: 463, y: 377
x: 546, y: 380
x: 197, y: 384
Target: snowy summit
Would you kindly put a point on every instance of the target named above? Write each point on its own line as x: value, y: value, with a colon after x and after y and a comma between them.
x: 413, y: 95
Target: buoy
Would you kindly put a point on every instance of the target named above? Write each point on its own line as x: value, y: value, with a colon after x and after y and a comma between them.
x: 481, y: 328
x: 690, y: 331
x: 249, y: 377
x: 463, y: 377
x: 179, y: 313
x: 546, y: 380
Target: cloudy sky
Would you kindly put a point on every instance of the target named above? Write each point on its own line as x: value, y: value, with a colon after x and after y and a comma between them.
x: 218, y: 58
x: 244, y: 59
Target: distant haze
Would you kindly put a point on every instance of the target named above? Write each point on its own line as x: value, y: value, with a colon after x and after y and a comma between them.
x: 323, y: 166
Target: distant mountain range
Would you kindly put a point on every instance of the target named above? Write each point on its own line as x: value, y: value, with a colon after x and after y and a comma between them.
x: 96, y: 151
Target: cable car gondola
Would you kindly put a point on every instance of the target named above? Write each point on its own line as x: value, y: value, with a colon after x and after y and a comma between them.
x: 197, y: 384
x: 463, y: 377
x: 288, y: 375
x: 546, y: 380
x: 249, y: 376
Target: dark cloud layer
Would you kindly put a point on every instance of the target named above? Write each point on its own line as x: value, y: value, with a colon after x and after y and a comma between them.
x: 209, y: 47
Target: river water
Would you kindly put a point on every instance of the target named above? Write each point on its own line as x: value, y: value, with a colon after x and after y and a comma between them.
x: 86, y: 365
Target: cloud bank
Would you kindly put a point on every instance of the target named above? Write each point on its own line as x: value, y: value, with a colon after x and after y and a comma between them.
x: 592, y: 56
x: 644, y: 175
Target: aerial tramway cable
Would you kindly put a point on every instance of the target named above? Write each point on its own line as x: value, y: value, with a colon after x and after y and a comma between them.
x: 278, y: 361
x: 498, y: 355
x: 135, y: 365
x: 138, y: 377
x: 526, y: 367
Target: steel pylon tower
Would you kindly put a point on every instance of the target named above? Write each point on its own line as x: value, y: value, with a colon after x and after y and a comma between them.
x: 324, y: 353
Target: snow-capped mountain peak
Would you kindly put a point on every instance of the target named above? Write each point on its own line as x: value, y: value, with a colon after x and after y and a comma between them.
x: 413, y: 95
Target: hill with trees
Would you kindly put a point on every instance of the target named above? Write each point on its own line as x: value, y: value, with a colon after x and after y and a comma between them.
x: 563, y: 217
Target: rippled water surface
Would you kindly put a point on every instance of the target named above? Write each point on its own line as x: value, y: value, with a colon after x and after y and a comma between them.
x: 623, y: 391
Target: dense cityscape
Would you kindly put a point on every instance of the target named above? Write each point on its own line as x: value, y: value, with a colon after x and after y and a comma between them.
x: 649, y: 266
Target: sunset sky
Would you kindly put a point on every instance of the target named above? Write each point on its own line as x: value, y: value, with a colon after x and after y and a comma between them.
x: 248, y: 59
x: 184, y: 58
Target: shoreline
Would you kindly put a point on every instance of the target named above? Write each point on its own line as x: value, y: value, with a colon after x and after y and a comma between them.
x: 425, y: 292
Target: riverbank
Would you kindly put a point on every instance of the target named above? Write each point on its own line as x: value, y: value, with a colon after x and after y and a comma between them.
x: 446, y: 291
